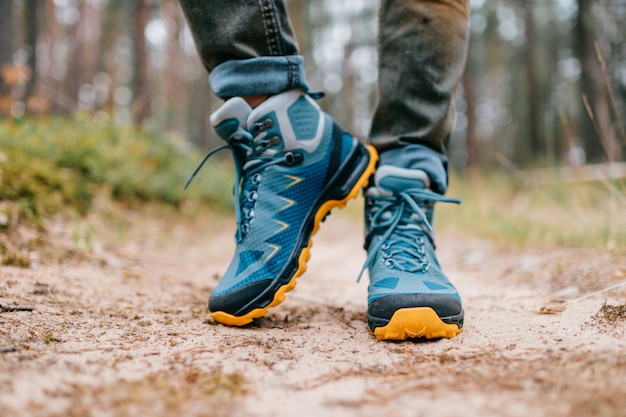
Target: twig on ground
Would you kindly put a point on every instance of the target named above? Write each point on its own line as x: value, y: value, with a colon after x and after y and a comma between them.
x: 11, y: 308
x: 561, y: 306
x: 612, y: 287
x: 9, y: 349
x: 342, y: 320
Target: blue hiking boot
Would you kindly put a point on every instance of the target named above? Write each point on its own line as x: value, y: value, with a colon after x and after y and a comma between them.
x: 293, y: 165
x: 409, y: 295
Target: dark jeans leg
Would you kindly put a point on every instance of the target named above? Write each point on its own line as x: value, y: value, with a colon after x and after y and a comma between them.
x: 247, y: 46
x: 423, y: 48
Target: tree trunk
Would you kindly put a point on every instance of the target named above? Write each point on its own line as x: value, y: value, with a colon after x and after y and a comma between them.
x: 141, y: 86
x: 90, y: 34
x: 534, y: 104
x: 32, y: 33
x: 172, y: 80
x: 73, y: 79
x: 473, y: 155
x: 598, y: 136
x: 6, y: 51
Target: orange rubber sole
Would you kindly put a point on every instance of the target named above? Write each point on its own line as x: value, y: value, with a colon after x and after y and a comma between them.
x: 419, y: 322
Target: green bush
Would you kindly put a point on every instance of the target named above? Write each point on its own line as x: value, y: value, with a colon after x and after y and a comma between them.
x: 56, y: 164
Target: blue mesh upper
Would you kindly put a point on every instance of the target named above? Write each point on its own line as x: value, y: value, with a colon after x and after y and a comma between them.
x: 304, y: 118
x: 387, y: 283
x: 288, y: 195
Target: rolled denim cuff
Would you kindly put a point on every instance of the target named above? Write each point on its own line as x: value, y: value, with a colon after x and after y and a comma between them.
x: 414, y: 156
x: 261, y: 75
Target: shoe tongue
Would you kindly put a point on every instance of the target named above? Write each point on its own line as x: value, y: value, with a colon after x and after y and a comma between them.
x: 231, y: 117
x: 391, y: 180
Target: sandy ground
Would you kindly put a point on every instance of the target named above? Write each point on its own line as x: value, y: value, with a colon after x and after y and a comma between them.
x: 123, y: 330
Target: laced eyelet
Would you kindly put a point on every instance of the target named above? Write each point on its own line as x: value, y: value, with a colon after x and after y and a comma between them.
x: 292, y: 158
x: 275, y: 140
x: 385, y: 246
x: 256, y: 179
x: 265, y: 124
x: 389, y: 263
x: 270, y: 142
x: 253, y: 196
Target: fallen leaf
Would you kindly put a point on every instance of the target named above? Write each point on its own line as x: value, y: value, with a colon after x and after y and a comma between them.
x: 552, y: 309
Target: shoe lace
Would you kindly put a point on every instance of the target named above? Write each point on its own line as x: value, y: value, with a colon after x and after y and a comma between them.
x: 247, y: 150
x: 403, y: 223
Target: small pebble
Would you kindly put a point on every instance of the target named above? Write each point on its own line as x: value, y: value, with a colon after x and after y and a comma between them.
x: 279, y: 367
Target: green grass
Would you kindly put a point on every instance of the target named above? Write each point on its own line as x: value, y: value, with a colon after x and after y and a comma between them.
x: 561, y: 214
x: 60, y: 164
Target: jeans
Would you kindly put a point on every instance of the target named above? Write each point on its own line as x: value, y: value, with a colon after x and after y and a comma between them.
x: 249, y: 48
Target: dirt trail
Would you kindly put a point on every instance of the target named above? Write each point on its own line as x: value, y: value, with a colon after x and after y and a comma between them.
x: 126, y: 332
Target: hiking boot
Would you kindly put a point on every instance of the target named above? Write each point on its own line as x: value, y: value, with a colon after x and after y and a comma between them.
x: 408, y: 296
x: 293, y: 165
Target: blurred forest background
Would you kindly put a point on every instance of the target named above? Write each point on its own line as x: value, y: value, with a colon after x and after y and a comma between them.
x: 545, y: 83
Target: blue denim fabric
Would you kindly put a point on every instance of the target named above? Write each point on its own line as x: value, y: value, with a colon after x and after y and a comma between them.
x: 262, y: 75
x: 434, y: 163
x: 239, y: 29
